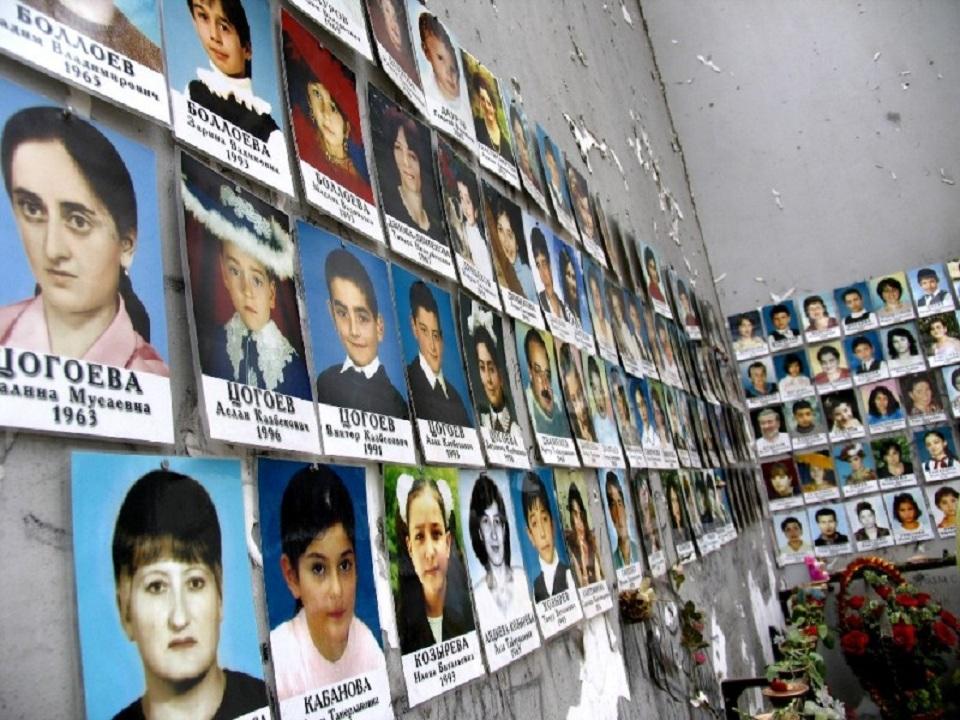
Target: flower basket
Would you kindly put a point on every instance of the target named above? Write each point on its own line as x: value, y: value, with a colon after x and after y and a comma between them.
x: 896, y: 639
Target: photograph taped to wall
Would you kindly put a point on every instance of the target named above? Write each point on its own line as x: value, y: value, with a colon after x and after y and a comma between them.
x: 409, y: 194
x: 792, y: 537
x: 621, y: 527
x: 441, y: 74
x: 793, y: 375
x: 894, y: 461
x: 554, y: 164
x: 628, y: 421
x: 866, y: 356
x: 468, y: 231
x: 902, y: 349
x: 757, y: 377
x: 224, y: 94
x: 650, y: 525
x: 806, y: 423
x: 240, y: 260
x: 328, y: 133
x: 576, y: 394
x: 782, y: 326
x: 541, y: 382
x: 869, y: 523
x: 576, y: 489
x: 930, y: 286
x: 922, y: 398
x: 829, y: 366
x: 360, y: 385
x: 820, y: 317
x: 942, y: 501
x: 653, y: 281
x: 83, y: 331
x: 583, y: 212
x: 490, y: 121
x: 497, y: 409
x: 843, y: 415
x: 148, y: 529
x: 549, y: 575
x: 525, y: 147
x: 909, y: 516
x: 891, y: 298
x: 439, y: 643
x: 679, y: 524
x: 937, y: 453
x: 508, y: 624
x: 855, y: 307
x: 782, y: 481
x: 769, y: 430
x: 940, y: 335
x: 818, y: 477
x: 116, y: 55
x: 602, y: 411
x: 445, y: 421
x: 391, y: 34
x: 884, y: 405
x: 623, y: 313
x: 951, y: 380
x: 828, y: 522
x: 341, y: 18
x: 597, y: 302
x: 325, y: 639
x: 505, y: 224
x: 746, y: 332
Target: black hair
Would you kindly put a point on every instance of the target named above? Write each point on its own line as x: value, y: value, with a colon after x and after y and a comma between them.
x: 166, y: 514
x: 103, y: 169
x: 801, y: 405
x: 827, y: 350
x: 852, y: 291
x: 314, y: 501
x: 791, y: 358
x: 343, y: 264
x: 890, y: 282
x: 779, y: 308
x: 422, y: 299
x: 574, y: 497
x: 892, y: 403
x: 905, y: 497
x: 904, y: 333
x: 566, y: 259
x: 938, y: 433
x: 864, y: 505
x: 612, y: 481
x: 861, y: 340
x: 924, y: 273
x: 955, y: 377
x: 593, y: 368
x: 813, y: 300
x: 533, y: 491
x: 533, y: 336
x: 421, y: 485
x: 486, y: 493
x: 237, y: 16
x: 756, y: 364
x: 538, y: 243
x: 887, y: 445
x: 824, y: 512
x: 943, y: 492
x: 430, y: 25
x: 503, y: 206
x: 790, y: 519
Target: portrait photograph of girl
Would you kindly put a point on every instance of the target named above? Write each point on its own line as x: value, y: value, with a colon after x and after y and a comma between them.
x: 490, y: 120
x: 582, y: 537
x: 649, y: 520
x: 318, y: 574
x: 428, y: 577
x: 85, y: 280
x: 391, y: 33
x: 909, y: 516
x: 679, y: 524
x: 164, y: 593
x: 942, y: 500
x: 223, y: 68
x: 325, y: 115
x: 492, y: 548
x: 902, y: 349
x: 884, y: 404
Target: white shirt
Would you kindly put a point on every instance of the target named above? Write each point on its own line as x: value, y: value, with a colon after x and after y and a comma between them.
x: 432, y: 378
x: 478, y: 250
x: 550, y: 571
x: 368, y: 370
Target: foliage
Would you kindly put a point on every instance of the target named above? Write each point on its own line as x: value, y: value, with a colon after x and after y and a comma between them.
x: 691, y: 632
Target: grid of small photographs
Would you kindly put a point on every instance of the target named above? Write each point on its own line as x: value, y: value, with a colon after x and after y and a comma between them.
x: 514, y: 373
x: 854, y: 395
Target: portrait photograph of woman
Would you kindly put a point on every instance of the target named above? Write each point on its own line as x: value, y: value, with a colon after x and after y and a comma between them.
x: 747, y: 333
x: 492, y: 548
x: 942, y: 500
x: 525, y: 148
x: 388, y: 20
x: 85, y: 280
x: 506, y: 225
x: 325, y: 115
x: 884, y: 404
x: 222, y: 68
x: 941, y: 338
x: 902, y: 349
x: 893, y: 460
x: 164, y: 593
x: 428, y: 576
x: 318, y: 573
x: 649, y: 520
x: 409, y: 193
x: 820, y: 317
x: 582, y: 538
x: 909, y: 516
x: 891, y: 298
x: 682, y: 536
x: 869, y: 523
x: 490, y: 120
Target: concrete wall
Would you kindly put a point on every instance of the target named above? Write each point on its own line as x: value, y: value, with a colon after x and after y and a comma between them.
x: 586, y: 60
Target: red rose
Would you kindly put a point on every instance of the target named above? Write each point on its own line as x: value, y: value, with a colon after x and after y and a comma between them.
x: 856, y: 602
x: 855, y: 622
x: 811, y: 630
x: 855, y: 642
x: 944, y: 634
x: 699, y: 657
x: 884, y: 591
x: 905, y: 600
x: 904, y: 636
x: 950, y: 620
x: 922, y: 598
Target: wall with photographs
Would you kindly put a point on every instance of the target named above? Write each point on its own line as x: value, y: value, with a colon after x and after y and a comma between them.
x: 815, y: 138
x: 639, y: 180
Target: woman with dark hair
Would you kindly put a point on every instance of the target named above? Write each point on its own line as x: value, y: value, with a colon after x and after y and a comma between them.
x: 892, y: 464
x: 501, y: 594
x: 325, y: 112
x: 831, y: 370
x: 890, y: 291
x: 226, y: 88
x: 75, y: 208
x: 568, y: 281
x: 509, y: 249
x: 882, y: 405
x: 433, y: 605
x: 389, y: 21
x: 404, y: 159
x: 907, y: 512
x: 582, y: 544
x: 902, y: 348
x: 168, y: 569
x: 794, y: 380
x: 325, y: 642
x: 653, y: 275
x: 487, y: 107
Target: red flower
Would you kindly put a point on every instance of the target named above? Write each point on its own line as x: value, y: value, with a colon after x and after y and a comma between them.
x: 699, y: 657
x: 854, y: 622
x: 855, y: 642
x: 905, y: 600
x: 856, y: 602
x: 811, y: 630
x: 950, y: 620
x: 884, y: 591
x: 922, y: 598
x: 904, y: 636
x: 944, y: 634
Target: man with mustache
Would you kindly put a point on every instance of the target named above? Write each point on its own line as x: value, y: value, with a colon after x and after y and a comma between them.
x: 548, y: 417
